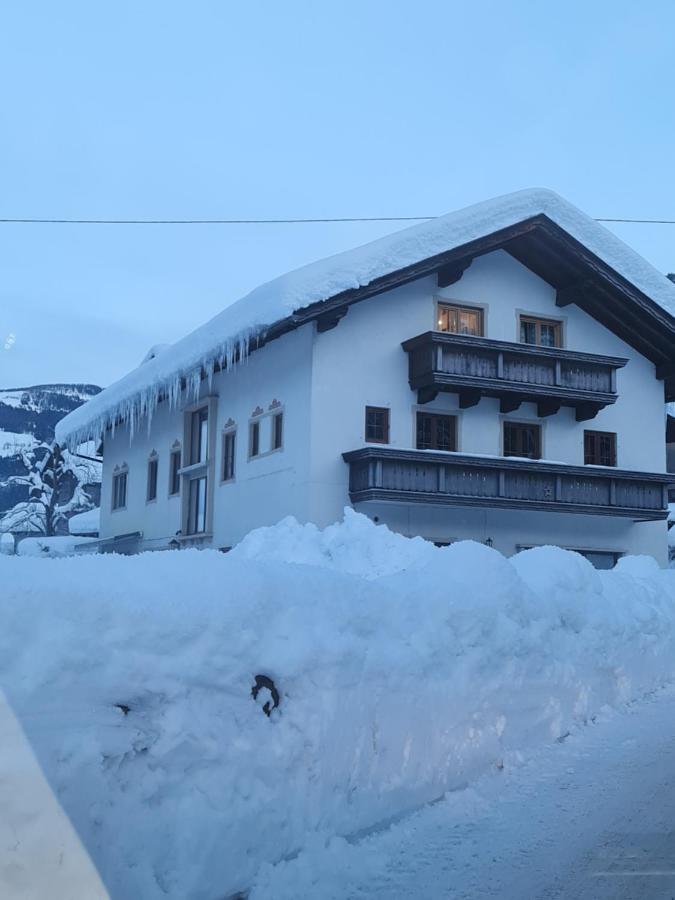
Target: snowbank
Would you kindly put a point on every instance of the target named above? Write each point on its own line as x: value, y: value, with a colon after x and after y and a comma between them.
x: 232, y: 332
x: 404, y: 671
x: 50, y: 547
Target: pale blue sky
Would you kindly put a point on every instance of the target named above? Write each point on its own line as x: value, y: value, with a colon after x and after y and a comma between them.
x: 271, y: 109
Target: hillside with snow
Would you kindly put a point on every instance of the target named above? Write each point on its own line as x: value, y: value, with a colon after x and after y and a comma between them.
x: 28, y: 417
x: 398, y: 672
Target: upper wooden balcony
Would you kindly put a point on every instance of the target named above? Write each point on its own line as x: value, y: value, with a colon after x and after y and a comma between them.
x: 476, y: 367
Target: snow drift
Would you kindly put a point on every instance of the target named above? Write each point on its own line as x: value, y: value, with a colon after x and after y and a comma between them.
x: 404, y: 671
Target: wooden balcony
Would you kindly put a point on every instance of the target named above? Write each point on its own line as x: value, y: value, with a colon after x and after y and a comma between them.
x: 460, y: 479
x: 476, y: 367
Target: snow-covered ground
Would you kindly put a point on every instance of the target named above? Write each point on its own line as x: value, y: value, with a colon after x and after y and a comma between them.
x: 404, y: 671
x: 588, y: 819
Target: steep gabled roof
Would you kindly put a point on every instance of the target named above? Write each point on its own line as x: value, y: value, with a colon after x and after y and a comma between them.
x: 587, y: 264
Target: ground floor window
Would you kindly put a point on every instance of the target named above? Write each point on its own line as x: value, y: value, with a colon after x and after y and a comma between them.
x: 153, y: 466
x: 119, y: 490
x: 436, y: 432
x: 522, y: 439
x: 229, y: 444
x: 174, y: 472
x: 277, y: 430
x: 196, y: 520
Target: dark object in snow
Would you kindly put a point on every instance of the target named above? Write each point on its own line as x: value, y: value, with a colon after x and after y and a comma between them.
x: 125, y: 709
x: 263, y: 682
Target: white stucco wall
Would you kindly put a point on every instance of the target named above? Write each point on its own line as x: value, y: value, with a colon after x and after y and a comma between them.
x: 265, y: 489
x: 366, y: 350
x: 324, y: 382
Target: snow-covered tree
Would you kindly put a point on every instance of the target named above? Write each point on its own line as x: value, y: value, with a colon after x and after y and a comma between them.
x: 57, y: 489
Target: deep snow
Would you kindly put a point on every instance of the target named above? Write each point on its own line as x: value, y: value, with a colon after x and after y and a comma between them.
x: 233, y: 331
x: 405, y: 671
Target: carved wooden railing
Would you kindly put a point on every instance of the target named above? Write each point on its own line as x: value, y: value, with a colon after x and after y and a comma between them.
x: 476, y: 367
x: 460, y: 479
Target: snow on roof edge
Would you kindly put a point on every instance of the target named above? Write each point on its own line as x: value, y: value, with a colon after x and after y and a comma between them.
x: 230, y: 334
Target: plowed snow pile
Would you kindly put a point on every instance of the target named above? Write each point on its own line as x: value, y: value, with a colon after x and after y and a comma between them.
x: 404, y: 671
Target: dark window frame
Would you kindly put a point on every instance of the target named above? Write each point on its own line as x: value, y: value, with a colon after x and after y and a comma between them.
x: 372, y: 426
x: 443, y: 306
x: 435, y: 443
x: 595, y: 453
x: 508, y: 444
x: 175, y: 460
x: 538, y: 321
x: 254, y: 439
x: 229, y: 455
x: 120, y: 487
x: 277, y: 431
x: 152, y: 479
x: 196, y: 513
x: 199, y: 436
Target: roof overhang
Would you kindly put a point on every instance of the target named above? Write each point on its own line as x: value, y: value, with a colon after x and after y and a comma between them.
x: 577, y: 274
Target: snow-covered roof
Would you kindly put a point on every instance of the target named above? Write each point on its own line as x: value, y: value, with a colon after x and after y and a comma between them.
x: 229, y: 334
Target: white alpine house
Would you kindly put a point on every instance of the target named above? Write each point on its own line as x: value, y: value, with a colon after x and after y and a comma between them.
x: 497, y: 374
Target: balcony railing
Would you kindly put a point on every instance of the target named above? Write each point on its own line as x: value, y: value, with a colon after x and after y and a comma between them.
x: 460, y: 479
x: 476, y: 367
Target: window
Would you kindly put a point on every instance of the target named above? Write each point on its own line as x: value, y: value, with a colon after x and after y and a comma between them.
x: 599, y: 448
x: 543, y: 332
x: 277, y: 430
x: 228, y: 454
x: 436, y: 432
x: 196, y: 520
x: 254, y: 439
x: 377, y: 425
x: 174, y: 469
x: 199, y: 432
x: 119, y: 490
x: 460, y: 319
x: 521, y: 439
x: 153, y: 465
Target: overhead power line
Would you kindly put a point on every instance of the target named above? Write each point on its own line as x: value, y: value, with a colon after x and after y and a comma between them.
x: 299, y: 221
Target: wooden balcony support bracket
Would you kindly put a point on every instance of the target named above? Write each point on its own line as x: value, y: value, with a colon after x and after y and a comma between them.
x: 426, y: 395
x: 509, y: 404
x: 548, y: 408
x: 451, y: 273
x: 586, y: 411
x: 467, y: 399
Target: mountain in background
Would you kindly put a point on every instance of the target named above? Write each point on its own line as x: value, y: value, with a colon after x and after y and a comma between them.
x: 40, y: 490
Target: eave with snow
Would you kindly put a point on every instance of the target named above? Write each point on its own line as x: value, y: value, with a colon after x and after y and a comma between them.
x: 582, y: 260
x: 585, y: 275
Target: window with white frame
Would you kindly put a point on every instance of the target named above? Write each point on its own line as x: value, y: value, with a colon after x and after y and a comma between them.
x: 196, y: 486
x: 199, y: 434
x: 229, y: 448
x: 119, y: 488
x: 196, y: 518
x: 277, y: 430
x: 153, y: 468
x: 174, y: 470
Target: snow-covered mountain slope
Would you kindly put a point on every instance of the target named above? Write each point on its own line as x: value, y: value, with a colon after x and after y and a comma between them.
x: 28, y: 416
